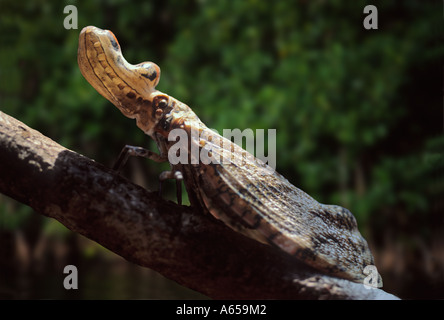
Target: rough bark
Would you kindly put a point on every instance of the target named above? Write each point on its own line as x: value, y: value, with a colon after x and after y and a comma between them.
x: 191, y: 248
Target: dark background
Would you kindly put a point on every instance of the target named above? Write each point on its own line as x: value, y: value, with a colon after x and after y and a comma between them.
x: 358, y: 115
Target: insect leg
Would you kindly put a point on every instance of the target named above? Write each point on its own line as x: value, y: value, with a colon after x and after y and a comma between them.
x: 128, y: 151
x: 177, y: 175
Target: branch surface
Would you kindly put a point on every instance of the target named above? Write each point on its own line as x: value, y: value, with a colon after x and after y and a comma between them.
x: 193, y: 249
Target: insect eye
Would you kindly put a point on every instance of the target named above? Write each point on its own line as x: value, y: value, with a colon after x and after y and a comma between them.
x: 162, y: 103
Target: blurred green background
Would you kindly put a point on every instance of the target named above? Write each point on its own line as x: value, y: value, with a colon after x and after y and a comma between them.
x: 358, y: 115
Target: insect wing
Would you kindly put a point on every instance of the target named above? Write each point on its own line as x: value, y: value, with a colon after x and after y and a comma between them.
x: 253, y: 199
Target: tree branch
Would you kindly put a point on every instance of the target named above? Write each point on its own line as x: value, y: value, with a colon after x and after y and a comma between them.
x: 193, y: 249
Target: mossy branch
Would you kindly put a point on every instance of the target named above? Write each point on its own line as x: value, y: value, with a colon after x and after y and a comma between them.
x: 188, y: 247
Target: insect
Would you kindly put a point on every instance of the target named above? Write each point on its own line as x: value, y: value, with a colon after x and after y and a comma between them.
x: 240, y: 190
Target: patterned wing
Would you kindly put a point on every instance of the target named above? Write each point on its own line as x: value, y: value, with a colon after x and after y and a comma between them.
x: 252, y: 199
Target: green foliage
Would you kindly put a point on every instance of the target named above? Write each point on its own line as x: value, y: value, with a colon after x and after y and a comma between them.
x: 12, y: 214
x: 344, y: 100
